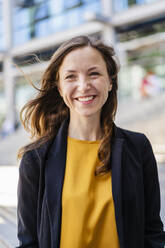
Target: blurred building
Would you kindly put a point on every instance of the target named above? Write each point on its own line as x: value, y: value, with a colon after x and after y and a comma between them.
x: 37, y: 27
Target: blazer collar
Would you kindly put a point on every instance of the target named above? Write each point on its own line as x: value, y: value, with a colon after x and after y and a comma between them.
x: 116, y: 166
x: 54, y: 178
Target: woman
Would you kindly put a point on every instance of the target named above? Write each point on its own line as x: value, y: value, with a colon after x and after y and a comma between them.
x: 85, y: 182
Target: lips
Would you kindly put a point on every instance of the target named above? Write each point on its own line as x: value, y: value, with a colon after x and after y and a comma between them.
x: 85, y: 98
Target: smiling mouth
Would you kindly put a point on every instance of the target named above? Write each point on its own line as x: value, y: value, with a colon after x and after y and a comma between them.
x: 85, y: 99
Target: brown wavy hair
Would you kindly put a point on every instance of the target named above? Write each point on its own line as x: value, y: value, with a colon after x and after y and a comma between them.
x: 43, y: 115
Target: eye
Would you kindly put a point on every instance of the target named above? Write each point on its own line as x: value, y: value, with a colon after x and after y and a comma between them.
x: 94, y: 73
x: 70, y: 77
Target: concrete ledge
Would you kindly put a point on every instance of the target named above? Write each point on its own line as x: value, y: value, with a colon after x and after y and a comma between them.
x: 139, y: 13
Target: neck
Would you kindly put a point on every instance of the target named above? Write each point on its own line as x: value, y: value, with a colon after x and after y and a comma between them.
x: 87, y: 128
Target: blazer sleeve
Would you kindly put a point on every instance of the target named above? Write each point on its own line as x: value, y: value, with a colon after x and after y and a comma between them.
x: 154, y: 234
x: 28, y: 185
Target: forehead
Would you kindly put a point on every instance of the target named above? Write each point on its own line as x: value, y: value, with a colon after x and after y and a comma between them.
x: 80, y: 57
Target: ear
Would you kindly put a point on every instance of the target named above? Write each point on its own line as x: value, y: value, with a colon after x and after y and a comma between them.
x: 109, y: 86
x: 59, y: 90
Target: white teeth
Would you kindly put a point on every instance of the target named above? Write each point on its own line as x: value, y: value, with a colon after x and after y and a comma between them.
x: 85, y: 99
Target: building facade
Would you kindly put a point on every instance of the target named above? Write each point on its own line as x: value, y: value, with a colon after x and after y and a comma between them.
x: 32, y: 29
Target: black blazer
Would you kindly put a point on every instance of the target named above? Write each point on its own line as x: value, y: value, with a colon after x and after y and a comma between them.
x: 135, y: 189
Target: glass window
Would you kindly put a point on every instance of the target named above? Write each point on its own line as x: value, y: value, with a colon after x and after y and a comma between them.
x: 43, y: 28
x: 120, y: 5
x: 50, y: 17
x: 41, y: 12
x: 1, y: 27
x: 21, y: 36
x: 0, y: 10
x: 25, y: 3
x: 2, y: 45
x: 94, y: 7
x: 24, y: 16
x: 124, y: 4
x: 39, y: 1
x: 59, y: 23
x: 72, y: 3
x: 150, y: 1
x: 74, y: 17
x: 56, y: 7
x: 86, y: 1
x: 145, y: 1
x: 90, y: 1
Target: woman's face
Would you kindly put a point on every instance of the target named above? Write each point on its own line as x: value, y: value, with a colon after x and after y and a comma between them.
x: 84, y: 82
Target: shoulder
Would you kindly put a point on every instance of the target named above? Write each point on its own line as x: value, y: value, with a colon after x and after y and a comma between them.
x: 131, y: 136
x: 134, y: 140
x: 29, y: 163
x: 34, y: 158
x: 137, y: 144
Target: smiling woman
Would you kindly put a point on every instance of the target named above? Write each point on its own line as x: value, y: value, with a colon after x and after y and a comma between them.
x: 84, y: 182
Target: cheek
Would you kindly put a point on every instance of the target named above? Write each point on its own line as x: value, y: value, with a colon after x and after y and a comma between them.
x: 105, y: 91
x: 62, y: 89
x: 104, y: 86
x: 66, y: 92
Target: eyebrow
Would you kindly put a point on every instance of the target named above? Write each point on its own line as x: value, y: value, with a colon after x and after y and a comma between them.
x: 90, y: 69
x: 70, y: 71
x: 93, y: 68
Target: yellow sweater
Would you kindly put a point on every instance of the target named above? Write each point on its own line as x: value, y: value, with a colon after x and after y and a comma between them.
x: 88, y: 215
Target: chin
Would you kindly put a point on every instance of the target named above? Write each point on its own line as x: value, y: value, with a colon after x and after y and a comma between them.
x: 89, y: 114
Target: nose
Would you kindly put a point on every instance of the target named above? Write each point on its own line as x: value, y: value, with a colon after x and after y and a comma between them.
x: 83, y: 84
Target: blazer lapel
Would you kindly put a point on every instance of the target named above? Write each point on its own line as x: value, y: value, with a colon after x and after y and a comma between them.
x: 54, y: 177
x: 116, y: 163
